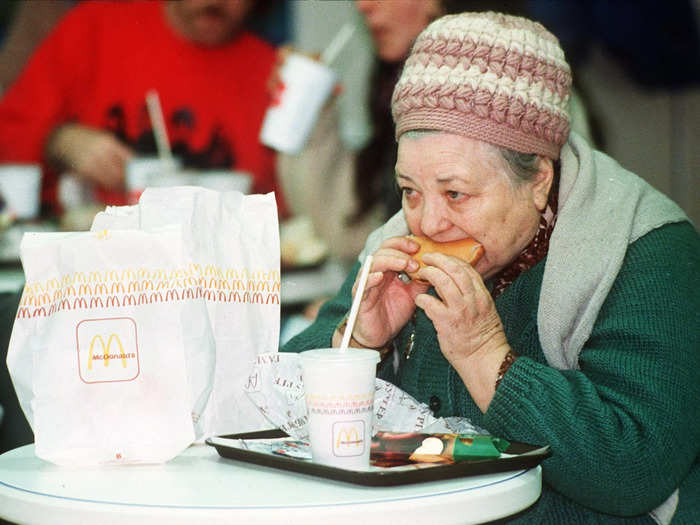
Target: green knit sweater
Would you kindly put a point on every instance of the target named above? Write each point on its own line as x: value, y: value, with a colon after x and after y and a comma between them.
x: 625, y: 428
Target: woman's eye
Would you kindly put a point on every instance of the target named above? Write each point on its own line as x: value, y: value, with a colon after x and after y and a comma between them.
x: 407, y: 191
x: 454, y: 195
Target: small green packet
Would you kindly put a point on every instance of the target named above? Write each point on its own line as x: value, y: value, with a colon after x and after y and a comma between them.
x: 476, y: 446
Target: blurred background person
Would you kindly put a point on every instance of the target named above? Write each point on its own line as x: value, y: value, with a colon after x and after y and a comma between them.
x: 22, y: 26
x: 79, y: 105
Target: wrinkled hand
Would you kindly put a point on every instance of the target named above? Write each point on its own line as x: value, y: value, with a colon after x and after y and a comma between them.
x: 388, y: 303
x: 464, y: 315
x: 91, y: 154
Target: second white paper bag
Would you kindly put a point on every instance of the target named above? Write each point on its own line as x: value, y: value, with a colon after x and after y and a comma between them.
x: 233, y: 240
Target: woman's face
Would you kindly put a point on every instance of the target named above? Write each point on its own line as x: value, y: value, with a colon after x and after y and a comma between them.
x: 395, y: 24
x: 455, y: 187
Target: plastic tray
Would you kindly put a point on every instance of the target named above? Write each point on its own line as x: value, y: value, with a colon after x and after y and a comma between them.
x: 527, y: 456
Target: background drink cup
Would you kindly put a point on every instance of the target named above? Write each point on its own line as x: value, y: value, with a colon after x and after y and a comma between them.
x: 339, y: 391
x: 221, y: 180
x: 305, y: 86
x: 20, y: 187
x: 142, y: 172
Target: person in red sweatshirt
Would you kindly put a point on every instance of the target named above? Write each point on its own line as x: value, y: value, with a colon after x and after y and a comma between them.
x: 79, y: 104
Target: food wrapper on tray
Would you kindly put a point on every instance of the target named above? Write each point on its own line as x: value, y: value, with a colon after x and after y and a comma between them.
x: 397, y: 448
x: 275, y: 386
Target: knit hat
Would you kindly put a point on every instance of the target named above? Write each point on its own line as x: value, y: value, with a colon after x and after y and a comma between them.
x: 498, y: 78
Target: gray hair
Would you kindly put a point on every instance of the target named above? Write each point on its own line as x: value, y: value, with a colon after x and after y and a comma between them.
x: 521, y: 167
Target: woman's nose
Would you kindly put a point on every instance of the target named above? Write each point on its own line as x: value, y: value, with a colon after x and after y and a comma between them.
x: 434, y: 218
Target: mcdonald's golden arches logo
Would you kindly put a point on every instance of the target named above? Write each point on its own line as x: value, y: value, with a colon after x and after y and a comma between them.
x: 349, y: 438
x: 107, y: 350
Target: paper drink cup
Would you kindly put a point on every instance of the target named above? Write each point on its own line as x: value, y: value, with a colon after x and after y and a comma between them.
x: 305, y: 87
x: 142, y: 172
x: 339, y: 391
x: 224, y: 180
x: 20, y: 186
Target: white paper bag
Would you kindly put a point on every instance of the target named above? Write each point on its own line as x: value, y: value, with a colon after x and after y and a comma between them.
x: 97, y: 352
x: 234, y: 240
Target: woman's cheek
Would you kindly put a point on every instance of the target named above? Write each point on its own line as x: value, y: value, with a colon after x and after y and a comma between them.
x: 490, y: 263
x: 412, y: 214
x: 482, y: 266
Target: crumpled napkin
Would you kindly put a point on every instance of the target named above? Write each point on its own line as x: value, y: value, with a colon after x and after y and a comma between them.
x: 276, y: 387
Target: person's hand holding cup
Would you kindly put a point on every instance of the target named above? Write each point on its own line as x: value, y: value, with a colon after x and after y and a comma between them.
x: 302, y: 86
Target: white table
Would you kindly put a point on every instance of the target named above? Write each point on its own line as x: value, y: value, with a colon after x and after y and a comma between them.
x: 200, y: 487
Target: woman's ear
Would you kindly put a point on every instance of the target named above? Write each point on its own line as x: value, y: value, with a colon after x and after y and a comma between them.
x: 542, y: 183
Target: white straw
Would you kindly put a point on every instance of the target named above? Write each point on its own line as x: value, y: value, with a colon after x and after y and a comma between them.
x: 338, y: 43
x: 158, y: 122
x: 356, y: 304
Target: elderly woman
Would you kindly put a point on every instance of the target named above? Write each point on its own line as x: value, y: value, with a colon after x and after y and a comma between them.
x: 579, y: 326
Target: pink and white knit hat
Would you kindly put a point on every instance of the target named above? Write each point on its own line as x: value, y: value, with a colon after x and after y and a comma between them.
x: 498, y: 78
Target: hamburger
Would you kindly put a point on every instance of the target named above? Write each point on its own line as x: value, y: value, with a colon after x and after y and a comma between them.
x: 466, y: 249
